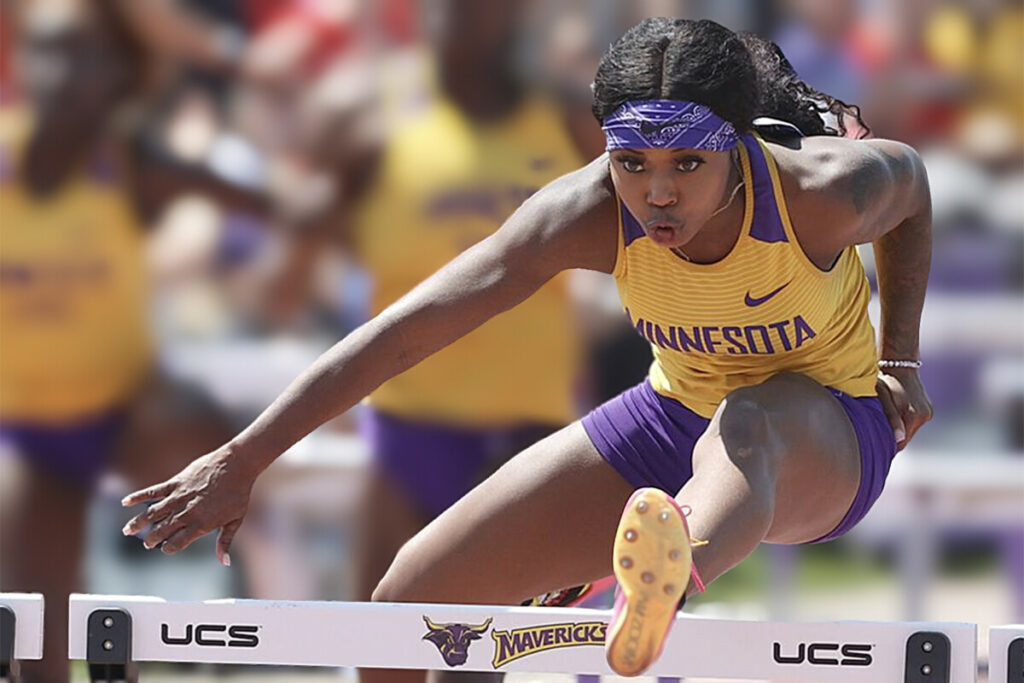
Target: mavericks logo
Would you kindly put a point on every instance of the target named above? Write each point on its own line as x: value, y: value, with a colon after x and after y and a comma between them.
x: 453, y: 640
x: 522, y: 642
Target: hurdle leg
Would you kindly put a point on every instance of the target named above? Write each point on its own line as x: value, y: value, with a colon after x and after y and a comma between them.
x: 9, y: 667
x: 1006, y: 654
x: 21, y: 632
x: 109, y: 647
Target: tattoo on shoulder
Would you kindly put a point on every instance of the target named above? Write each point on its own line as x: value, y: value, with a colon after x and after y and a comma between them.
x: 868, y: 179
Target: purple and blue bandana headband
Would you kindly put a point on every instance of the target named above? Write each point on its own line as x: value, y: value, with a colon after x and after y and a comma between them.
x: 668, y: 124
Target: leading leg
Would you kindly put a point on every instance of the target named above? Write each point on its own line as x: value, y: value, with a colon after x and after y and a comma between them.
x: 778, y: 462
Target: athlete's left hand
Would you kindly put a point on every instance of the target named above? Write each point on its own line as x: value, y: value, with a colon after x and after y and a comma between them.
x: 905, y: 402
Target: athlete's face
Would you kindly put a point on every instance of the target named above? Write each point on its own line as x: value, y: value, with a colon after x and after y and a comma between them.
x: 672, y: 192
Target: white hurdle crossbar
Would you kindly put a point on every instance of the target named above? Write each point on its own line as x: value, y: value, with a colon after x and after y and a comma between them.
x: 124, y: 629
x: 1006, y: 654
x: 21, y: 630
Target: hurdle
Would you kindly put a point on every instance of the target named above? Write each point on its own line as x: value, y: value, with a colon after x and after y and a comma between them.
x: 1006, y: 654
x: 21, y: 631
x: 120, y: 630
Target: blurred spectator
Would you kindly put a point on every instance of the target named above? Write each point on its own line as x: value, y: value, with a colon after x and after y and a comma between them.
x: 982, y: 43
x: 432, y: 155
x: 817, y: 38
x: 79, y: 390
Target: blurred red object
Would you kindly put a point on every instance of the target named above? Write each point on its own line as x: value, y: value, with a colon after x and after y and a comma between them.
x: 323, y: 33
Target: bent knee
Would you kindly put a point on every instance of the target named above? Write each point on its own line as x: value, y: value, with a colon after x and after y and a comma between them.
x: 384, y: 592
x: 393, y: 588
x: 413, y: 577
x: 744, y: 422
x: 759, y: 412
x: 398, y: 584
x: 743, y: 431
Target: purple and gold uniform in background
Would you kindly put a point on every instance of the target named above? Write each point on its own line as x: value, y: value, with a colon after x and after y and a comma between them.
x: 73, y: 328
x: 445, y: 183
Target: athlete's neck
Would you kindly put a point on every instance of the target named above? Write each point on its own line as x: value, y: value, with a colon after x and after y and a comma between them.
x: 718, y: 236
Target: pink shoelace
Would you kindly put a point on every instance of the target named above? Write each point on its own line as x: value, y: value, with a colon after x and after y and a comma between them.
x: 686, y: 511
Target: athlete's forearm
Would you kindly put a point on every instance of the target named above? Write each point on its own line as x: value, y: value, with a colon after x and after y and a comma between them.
x: 903, y: 259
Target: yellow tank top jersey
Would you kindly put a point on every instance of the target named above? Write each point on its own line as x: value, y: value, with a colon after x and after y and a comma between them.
x: 763, y: 309
x: 73, y: 333
x: 445, y: 183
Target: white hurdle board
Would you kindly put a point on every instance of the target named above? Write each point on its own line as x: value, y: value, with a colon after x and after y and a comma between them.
x: 525, y: 639
x: 21, y: 629
x: 1006, y: 654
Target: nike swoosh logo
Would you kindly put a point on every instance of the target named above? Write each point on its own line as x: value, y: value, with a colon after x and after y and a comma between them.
x: 751, y: 301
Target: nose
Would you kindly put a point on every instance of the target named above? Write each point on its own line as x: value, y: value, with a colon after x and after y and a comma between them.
x: 662, y: 194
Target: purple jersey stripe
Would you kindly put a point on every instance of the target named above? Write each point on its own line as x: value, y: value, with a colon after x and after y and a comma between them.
x: 767, y: 224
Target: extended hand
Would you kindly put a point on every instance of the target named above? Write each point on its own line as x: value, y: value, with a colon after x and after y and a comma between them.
x: 905, y: 402
x: 211, y: 493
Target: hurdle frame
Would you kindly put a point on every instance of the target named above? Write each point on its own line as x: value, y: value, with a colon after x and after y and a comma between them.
x: 525, y: 639
x: 1006, y: 654
x: 21, y: 631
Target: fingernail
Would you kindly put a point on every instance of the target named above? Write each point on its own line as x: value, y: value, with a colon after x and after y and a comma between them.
x: 126, y: 530
x: 900, y: 434
x: 226, y: 561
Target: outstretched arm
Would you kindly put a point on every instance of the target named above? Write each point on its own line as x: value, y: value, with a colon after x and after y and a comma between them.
x: 569, y: 224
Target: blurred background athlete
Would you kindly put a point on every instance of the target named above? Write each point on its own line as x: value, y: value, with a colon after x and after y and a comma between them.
x: 461, y: 154
x: 80, y: 391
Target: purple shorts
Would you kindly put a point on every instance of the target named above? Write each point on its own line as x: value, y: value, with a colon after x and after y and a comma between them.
x: 434, y: 464
x: 648, y: 438
x: 77, y: 451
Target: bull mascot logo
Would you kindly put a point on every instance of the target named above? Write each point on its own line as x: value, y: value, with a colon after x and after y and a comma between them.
x: 453, y: 640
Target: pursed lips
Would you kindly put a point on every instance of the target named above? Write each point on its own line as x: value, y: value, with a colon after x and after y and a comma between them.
x: 661, y: 229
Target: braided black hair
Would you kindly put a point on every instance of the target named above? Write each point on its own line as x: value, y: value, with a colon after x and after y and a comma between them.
x: 740, y: 76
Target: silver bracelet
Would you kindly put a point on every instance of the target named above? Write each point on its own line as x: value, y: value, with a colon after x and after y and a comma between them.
x: 899, y: 364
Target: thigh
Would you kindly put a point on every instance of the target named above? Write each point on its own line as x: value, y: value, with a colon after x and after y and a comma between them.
x: 168, y: 424
x: 819, y: 464
x: 42, y: 525
x: 386, y: 519
x: 543, y: 521
x: 42, y: 531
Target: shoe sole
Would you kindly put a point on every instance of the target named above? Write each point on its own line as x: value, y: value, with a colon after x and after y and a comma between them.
x: 652, y: 565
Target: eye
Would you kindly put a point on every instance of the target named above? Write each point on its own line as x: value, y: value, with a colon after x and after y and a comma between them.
x: 631, y: 165
x: 689, y: 164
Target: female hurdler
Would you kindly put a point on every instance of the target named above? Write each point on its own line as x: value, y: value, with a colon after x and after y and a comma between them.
x: 768, y: 413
